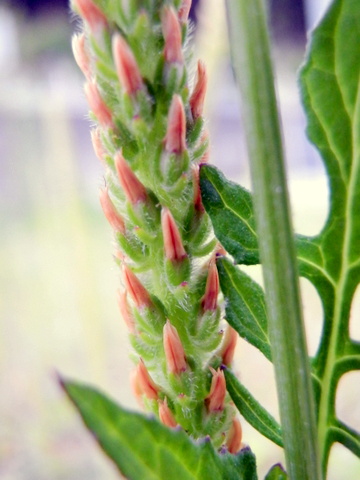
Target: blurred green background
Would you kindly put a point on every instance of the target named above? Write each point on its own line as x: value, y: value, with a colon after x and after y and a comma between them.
x: 58, y: 312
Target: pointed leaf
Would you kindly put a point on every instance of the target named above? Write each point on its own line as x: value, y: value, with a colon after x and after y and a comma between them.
x: 244, y: 305
x: 276, y: 473
x: 252, y: 411
x: 142, y: 448
x: 231, y: 210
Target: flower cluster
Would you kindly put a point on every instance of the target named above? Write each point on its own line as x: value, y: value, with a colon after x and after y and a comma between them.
x: 150, y: 137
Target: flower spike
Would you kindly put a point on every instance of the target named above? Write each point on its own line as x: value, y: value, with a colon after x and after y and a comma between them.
x: 134, y: 190
x: 209, y: 300
x: 174, y: 351
x: 135, y: 288
x: 91, y: 13
x: 216, y: 398
x: 110, y: 212
x: 198, y: 96
x: 126, y: 66
x: 174, y: 249
x: 98, y: 106
x: 165, y: 414
x: 172, y: 36
x: 175, y: 136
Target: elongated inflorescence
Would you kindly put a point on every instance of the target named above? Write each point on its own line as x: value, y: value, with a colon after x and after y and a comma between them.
x: 150, y: 137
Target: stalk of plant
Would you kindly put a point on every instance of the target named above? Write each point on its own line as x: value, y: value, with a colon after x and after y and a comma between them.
x: 149, y: 134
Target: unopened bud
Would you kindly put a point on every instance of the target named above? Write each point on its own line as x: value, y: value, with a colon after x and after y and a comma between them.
x: 174, y: 351
x: 209, y: 300
x: 80, y: 54
x: 165, y: 414
x: 228, y: 346
x: 126, y: 66
x: 205, y: 139
x: 198, y: 96
x: 174, y: 249
x: 143, y: 383
x: 172, y: 36
x: 110, y: 212
x: 197, y: 193
x: 135, y: 288
x: 234, y: 437
x: 216, y: 398
x: 134, y: 190
x: 98, y: 106
x: 97, y: 144
x: 124, y: 308
x: 175, y: 135
x: 184, y: 11
x: 91, y: 13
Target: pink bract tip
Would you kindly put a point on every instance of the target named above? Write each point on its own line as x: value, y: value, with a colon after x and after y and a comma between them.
x: 126, y: 66
x: 135, y: 288
x: 134, y: 190
x: 110, y: 212
x: 234, y: 437
x: 97, y: 144
x: 172, y: 36
x: 228, y: 346
x: 165, y: 414
x: 174, y: 249
x: 175, y: 140
x: 184, y: 11
x: 143, y: 383
x: 174, y: 351
x: 209, y: 300
x: 80, y: 54
x: 198, y: 96
x: 98, y: 106
x: 91, y: 13
x: 124, y: 308
x: 197, y: 193
x: 216, y: 398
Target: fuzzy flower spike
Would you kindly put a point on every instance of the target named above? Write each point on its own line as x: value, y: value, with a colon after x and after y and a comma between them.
x: 150, y: 139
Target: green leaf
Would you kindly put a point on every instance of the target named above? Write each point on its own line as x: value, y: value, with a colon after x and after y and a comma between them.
x: 252, y: 411
x: 142, y: 448
x: 331, y: 260
x: 276, y: 473
x: 231, y: 210
x: 244, y: 305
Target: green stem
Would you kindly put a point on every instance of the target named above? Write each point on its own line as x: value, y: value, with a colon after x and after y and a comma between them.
x: 251, y: 58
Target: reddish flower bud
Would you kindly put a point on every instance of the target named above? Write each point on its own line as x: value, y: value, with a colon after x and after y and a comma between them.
x: 172, y: 36
x: 209, y: 300
x: 98, y: 106
x: 175, y: 135
x: 197, y: 193
x: 198, y: 96
x: 91, y: 13
x: 134, y: 190
x: 97, y: 144
x: 174, y: 351
x: 228, y: 346
x: 110, y: 212
x: 126, y: 66
x: 143, y: 383
x: 216, y: 398
x: 165, y: 414
x: 234, y: 437
x: 80, y: 54
x: 135, y: 288
x: 124, y: 308
x: 184, y: 10
x: 174, y: 249
x: 220, y: 250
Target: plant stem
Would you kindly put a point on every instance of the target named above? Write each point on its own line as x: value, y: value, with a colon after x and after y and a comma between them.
x: 251, y: 59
